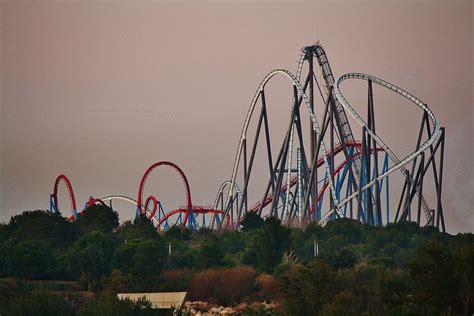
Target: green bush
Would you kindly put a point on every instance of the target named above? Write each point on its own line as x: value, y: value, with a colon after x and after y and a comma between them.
x: 39, y: 303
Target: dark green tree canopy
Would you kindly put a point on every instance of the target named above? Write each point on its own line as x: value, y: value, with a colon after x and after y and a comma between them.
x: 401, y: 269
x: 429, y: 269
x: 141, y: 227
x: 92, y: 254
x: 178, y: 232
x: 43, y: 225
x: 251, y: 221
x: 98, y: 217
x: 308, y: 288
x: 141, y: 257
x: 267, y: 245
x: 31, y: 259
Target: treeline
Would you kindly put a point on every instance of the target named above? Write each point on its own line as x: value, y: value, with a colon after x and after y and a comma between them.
x: 401, y: 269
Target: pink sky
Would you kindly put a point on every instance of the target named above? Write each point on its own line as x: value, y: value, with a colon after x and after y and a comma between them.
x: 100, y: 90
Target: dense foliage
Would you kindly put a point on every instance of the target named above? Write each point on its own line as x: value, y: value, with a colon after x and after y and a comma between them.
x: 401, y: 269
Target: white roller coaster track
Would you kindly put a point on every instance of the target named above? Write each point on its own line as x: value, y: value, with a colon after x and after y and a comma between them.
x: 126, y: 199
x: 398, y: 164
x: 347, y: 136
x: 221, y: 189
x: 119, y: 197
x: 341, y: 105
x: 243, y: 136
x: 323, y: 61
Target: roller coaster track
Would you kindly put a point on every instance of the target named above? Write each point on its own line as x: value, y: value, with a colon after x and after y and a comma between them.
x: 362, y: 179
x: 221, y: 191
x: 329, y: 79
x: 54, y: 197
x: 294, y: 179
x: 315, y: 125
x: 347, y: 135
x: 151, y: 199
x: 335, y: 97
x: 196, y: 210
x: 398, y: 164
x: 173, y: 166
x: 149, y: 207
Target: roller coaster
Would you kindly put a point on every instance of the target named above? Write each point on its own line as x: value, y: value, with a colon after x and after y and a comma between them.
x: 333, y: 176
x: 150, y: 207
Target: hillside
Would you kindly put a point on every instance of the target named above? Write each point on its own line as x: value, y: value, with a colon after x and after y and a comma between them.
x: 52, y: 266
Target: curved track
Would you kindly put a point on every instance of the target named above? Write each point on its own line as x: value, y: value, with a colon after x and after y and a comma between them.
x: 173, y: 166
x: 320, y: 162
x: 196, y: 210
x: 64, y: 179
x: 359, y: 164
x: 151, y: 205
x: 362, y: 184
x: 225, y: 184
x: 398, y: 164
x: 315, y: 124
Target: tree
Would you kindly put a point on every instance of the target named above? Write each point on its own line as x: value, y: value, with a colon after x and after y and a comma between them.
x: 232, y: 243
x: 141, y: 227
x: 343, y: 303
x: 363, y: 280
x: 182, y: 256
x: 175, y: 279
x: 4, y: 232
x: 226, y: 286
x: 267, y: 288
x: 32, y: 259
x: 267, y: 245
x: 432, y: 269
x: 98, y: 217
x: 350, y: 230
x: 211, y: 252
x: 178, y: 232
x: 43, y: 225
x: 92, y: 255
x: 119, y: 282
x: 307, y: 288
x: 108, y: 304
x: 141, y: 257
x: 464, y: 275
x: 394, y: 291
x: 314, y: 230
x: 251, y: 221
x: 40, y: 303
x: 344, y: 257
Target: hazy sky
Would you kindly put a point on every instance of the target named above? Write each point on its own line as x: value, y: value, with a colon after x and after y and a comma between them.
x: 100, y: 90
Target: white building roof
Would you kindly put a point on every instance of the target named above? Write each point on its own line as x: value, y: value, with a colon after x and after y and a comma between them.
x: 162, y: 300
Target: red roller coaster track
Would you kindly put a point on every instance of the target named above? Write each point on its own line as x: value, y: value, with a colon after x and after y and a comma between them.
x: 173, y: 166
x: 293, y: 182
x: 149, y: 200
x: 189, y: 207
x: 196, y: 210
x: 337, y: 150
x: 89, y: 203
x: 59, y: 179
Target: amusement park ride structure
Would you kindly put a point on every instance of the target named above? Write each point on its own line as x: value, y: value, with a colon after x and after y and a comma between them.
x: 337, y: 176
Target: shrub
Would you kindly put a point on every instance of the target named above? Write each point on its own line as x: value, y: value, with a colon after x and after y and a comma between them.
x: 176, y: 279
x: 268, y: 287
x: 38, y: 303
x: 227, y: 286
